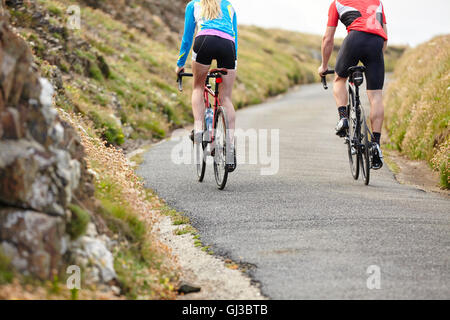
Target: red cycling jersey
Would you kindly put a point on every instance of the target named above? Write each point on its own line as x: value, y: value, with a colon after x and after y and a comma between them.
x: 360, y: 15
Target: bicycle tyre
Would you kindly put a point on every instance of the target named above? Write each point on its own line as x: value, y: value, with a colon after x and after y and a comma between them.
x: 353, y: 139
x: 201, y: 167
x: 365, y: 154
x: 220, y: 146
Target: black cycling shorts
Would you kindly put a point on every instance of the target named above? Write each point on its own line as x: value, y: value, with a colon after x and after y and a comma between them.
x: 207, y: 48
x: 367, y: 48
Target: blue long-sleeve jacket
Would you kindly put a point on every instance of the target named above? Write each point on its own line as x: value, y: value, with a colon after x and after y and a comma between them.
x: 226, y: 23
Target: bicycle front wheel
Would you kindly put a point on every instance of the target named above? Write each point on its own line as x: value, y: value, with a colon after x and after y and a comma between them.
x: 200, y: 157
x: 220, y: 147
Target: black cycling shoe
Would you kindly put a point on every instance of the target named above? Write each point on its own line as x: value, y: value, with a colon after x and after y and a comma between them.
x: 341, y: 127
x: 199, y: 138
x: 377, y: 157
x: 232, y: 166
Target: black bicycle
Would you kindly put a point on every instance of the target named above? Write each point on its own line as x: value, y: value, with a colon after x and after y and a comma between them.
x: 358, y: 137
x: 215, y: 133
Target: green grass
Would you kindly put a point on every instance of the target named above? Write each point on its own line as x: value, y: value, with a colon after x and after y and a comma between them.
x: 54, y: 10
x: 118, y: 215
x: 138, y: 265
x: 6, y: 270
x: 186, y: 230
x: 78, y: 223
x: 110, y: 131
x: 178, y: 218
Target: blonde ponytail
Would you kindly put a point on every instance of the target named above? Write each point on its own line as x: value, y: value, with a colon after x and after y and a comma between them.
x: 211, y: 9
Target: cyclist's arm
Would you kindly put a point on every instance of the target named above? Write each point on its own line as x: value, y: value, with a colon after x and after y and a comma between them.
x: 328, y: 38
x: 188, y: 36
x: 327, y: 46
x: 235, y: 32
x: 385, y: 42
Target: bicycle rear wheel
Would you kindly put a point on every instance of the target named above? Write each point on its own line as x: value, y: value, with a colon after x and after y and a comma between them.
x: 353, y: 142
x: 220, y: 146
x: 365, y: 153
x: 200, y: 156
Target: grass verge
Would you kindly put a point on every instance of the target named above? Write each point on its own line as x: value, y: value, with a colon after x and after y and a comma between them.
x: 418, y: 106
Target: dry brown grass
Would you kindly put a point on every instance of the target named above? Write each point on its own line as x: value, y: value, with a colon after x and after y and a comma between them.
x: 418, y: 105
x: 47, y: 291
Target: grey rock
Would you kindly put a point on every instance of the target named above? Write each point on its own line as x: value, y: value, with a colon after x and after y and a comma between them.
x: 100, y: 261
x: 34, y: 241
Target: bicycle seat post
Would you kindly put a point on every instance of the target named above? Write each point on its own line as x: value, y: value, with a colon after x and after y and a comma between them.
x: 219, y: 80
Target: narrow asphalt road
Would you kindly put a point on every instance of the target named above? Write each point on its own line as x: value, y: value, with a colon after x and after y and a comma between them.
x: 310, y: 230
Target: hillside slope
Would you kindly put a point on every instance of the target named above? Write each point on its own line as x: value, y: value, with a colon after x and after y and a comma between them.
x: 117, y: 70
x: 418, y: 105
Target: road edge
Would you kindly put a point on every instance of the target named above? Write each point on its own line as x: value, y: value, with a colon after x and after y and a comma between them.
x: 219, y: 277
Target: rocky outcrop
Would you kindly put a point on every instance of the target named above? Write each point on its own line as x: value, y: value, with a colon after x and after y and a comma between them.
x: 93, y: 252
x: 42, y: 171
x: 35, y: 241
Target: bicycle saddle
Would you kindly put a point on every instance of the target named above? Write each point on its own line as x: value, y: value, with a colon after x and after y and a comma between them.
x: 356, y: 68
x: 219, y: 71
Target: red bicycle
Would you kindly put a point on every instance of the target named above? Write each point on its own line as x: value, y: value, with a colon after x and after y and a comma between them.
x: 215, y: 132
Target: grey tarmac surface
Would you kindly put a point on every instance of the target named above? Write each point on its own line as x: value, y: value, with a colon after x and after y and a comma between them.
x: 311, y: 231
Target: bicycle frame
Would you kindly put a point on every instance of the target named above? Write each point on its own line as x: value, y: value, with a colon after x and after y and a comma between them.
x: 353, y: 91
x: 213, y: 74
x: 215, y: 94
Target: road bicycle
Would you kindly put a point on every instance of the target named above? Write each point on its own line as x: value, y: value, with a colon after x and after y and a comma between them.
x: 215, y: 134
x: 358, y: 137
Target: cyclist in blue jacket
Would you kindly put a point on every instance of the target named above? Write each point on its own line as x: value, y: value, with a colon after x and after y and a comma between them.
x: 216, y: 39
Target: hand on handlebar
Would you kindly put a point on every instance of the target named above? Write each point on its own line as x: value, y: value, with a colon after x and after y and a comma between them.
x: 180, y: 75
x: 323, y: 73
x: 322, y: 70
x: 179, y: 70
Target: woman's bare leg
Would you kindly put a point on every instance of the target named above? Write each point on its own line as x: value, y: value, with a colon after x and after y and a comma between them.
x: 225, y: 92
x: 200, y: 72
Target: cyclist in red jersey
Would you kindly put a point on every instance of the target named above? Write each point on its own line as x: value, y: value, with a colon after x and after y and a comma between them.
x: 366, y: 42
